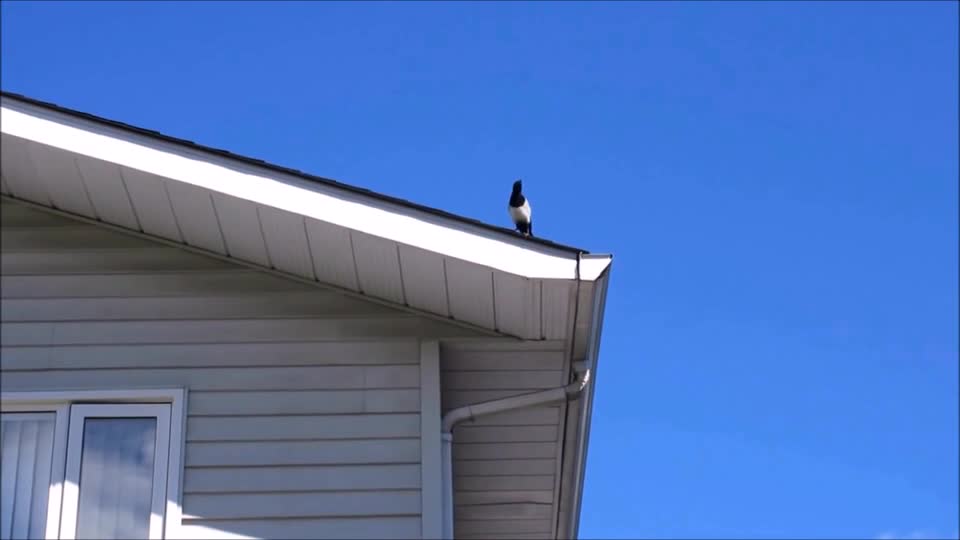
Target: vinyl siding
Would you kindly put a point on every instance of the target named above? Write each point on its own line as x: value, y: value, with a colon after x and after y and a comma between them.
x: 303, y: 414
x: 505, y: 465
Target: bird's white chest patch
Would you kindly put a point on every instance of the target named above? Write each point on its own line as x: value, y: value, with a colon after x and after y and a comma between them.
x: 521, y: 214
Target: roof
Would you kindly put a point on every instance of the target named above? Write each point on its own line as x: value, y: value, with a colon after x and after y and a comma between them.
x: 315, y: 229
x: 280, y: 168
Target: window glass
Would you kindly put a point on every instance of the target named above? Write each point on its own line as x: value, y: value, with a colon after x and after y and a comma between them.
x: 26, y: 450
x: 116, y: 477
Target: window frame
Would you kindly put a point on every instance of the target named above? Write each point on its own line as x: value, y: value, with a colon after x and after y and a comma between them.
x: 62, y: 404
x: 79, y: 413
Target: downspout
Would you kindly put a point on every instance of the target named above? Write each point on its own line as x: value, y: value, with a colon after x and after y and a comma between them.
x: 469, y: 412
x: 452, y: 418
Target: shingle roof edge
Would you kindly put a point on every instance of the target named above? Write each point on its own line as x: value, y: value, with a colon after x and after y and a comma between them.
x: 282, y: 169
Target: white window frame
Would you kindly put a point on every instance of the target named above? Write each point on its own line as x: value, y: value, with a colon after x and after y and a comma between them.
x: 71, y: 494
x: 119, y: 403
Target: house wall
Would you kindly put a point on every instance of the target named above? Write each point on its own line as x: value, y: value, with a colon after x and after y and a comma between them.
x: 506, y: 466
x: 303, y: 404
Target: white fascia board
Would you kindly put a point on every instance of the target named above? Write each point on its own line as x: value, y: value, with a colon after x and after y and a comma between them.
x: 297, y: 195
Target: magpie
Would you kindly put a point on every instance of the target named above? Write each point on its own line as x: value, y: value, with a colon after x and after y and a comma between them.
x: 519, y: 209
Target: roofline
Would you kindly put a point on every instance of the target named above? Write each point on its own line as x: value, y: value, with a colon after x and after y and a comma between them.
x: 282, y: 169
x: 461, y: 239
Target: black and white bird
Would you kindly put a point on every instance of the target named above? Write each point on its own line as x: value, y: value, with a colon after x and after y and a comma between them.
x: 519, y: 208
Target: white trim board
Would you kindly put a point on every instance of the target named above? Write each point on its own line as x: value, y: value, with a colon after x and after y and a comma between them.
x: 220, y: 174
x: 431, y: 481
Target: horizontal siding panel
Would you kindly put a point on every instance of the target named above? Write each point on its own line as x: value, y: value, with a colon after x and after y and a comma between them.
x: 216, y: 331
x: 106, y: 261
x: 330, y: 353
x: 534, y: 416
x: 508, y: 527
x: 304, y: 304
x: 468, y: 451
x: 317, y: 478
x: 386, y: 528
x: 303, y: 452
x: 238, y: 281
x: 504, y: 511
x: 81, y: 237
x: 452, y: 400
x: 267, y: 378
x: 504, y: 483
x: 308, y: 504
x: 505, y: 536
x: 13, y: 215
x: 504, y: 361
x: 453, y: 349
x: 304, y: 402
x: 391, y: 376
x: 466, y: 433
x: 505, y: 467
x: 496, y: 380
x: 391, y: 400
x: 505, y: 497
x: 265, y: 428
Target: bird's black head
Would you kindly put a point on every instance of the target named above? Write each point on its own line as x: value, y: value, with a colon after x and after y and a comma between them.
x: 517, y: 186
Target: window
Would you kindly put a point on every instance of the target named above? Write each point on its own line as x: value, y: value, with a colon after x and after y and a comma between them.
x: 27, y: 453
x: 75, y: 468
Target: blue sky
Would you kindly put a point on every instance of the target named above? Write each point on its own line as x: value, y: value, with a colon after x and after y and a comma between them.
x: 777, y: 182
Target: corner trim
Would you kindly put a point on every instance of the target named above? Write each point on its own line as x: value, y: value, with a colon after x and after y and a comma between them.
x: 431, y: 483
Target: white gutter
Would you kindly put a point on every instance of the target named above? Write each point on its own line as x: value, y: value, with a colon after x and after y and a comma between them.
x: 571, y: 528
x: 452, y: 418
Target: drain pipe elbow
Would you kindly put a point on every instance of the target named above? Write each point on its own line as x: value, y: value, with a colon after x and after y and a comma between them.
x: 577, y: 387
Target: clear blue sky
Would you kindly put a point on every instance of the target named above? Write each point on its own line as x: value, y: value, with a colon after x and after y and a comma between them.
x: 777, y: 181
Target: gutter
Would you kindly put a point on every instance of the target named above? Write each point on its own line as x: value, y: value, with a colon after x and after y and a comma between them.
x: 469, y: 412
x: 571, y: 528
